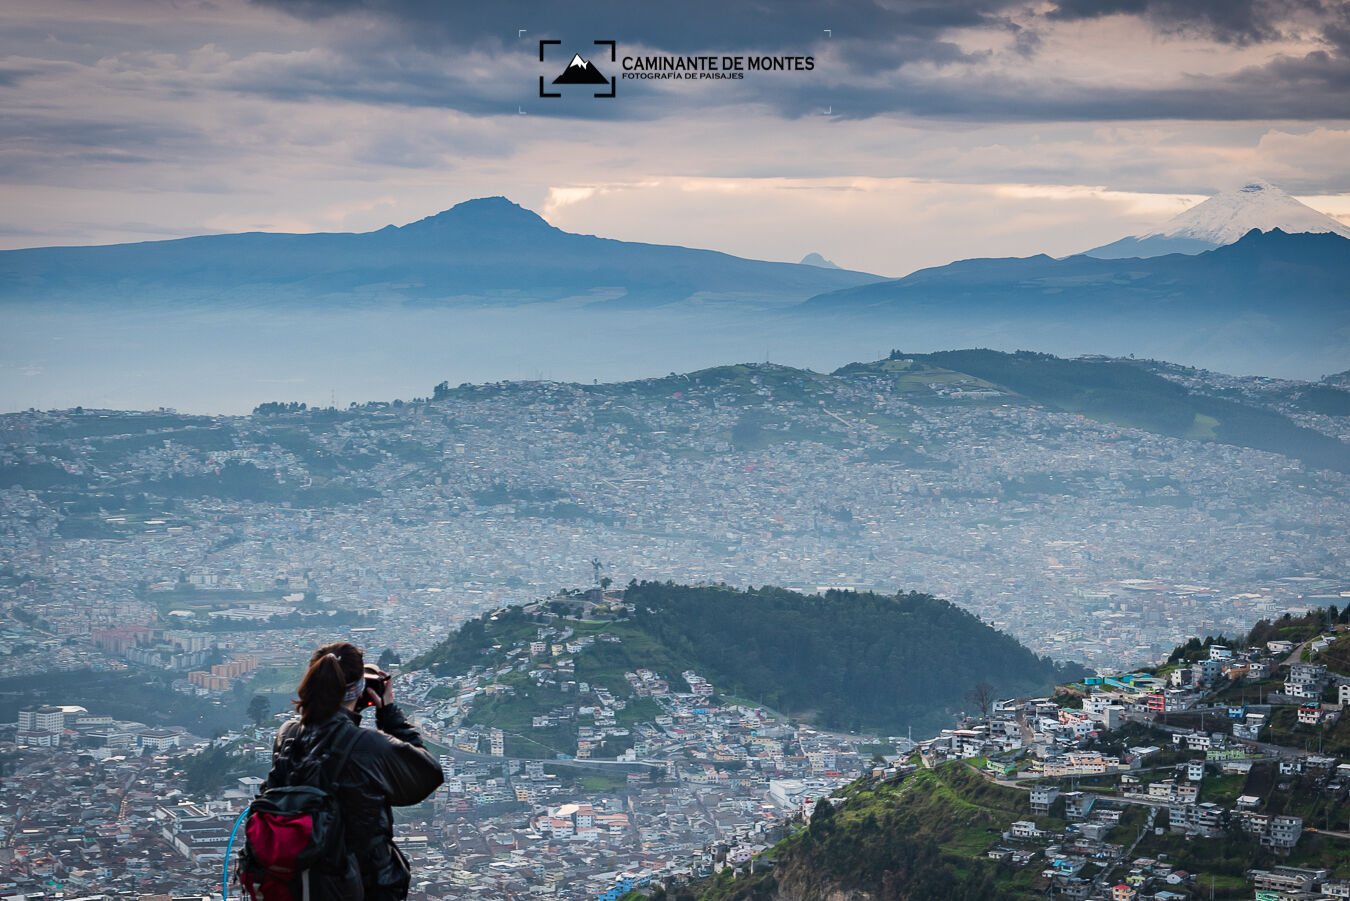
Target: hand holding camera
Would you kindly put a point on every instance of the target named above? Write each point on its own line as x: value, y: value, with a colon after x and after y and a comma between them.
x: 379, y: 689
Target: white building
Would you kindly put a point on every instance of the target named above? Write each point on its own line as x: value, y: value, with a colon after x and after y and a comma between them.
x: 1305, y: 680
x: 41, y: 719
x: 1042, y: 797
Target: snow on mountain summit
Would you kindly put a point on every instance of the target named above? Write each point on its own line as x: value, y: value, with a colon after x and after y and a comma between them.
x: 1224, y: 218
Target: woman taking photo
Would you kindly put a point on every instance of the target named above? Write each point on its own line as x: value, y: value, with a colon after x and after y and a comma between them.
x: 381, y: 769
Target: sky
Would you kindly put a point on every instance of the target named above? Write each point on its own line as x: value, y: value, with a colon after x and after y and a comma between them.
x: 924, y: 131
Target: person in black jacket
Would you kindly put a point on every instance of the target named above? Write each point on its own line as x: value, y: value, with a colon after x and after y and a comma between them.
x: 386, y: 768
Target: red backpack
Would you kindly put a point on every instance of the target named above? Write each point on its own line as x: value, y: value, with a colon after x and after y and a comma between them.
x: 294, y: 849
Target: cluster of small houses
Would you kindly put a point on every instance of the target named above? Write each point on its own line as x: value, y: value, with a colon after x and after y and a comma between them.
x: 1051, y: 732
x: 549, y: 662
x: 580, y: 821
x: 1041, y: 740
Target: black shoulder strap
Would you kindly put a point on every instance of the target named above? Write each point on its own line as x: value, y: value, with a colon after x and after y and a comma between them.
x: 345, y: 751
x: 286, y: 739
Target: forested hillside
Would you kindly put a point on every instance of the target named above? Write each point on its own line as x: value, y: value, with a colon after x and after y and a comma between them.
x: 909, y: 839
x: 842, y: 660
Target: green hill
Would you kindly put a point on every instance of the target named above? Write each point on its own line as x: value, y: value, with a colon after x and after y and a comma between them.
x: 921, y: 836
x: 925, y: 835
x: 842, y: 660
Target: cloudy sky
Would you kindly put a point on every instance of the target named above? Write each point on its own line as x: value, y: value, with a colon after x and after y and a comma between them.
x: 926, y: 132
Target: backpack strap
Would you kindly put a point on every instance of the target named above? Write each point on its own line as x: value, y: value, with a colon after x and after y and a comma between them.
x: 345, y: 752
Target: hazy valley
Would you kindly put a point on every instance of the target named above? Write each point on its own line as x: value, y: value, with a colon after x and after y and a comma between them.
x: 487, y: 290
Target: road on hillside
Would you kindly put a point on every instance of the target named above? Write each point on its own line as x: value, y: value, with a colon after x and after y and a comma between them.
x: 1330, y: 832
x: 1296, y: 654
x: 1265, y: 748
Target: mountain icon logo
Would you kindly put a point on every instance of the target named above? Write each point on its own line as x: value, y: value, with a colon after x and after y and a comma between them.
x: 581, y: 71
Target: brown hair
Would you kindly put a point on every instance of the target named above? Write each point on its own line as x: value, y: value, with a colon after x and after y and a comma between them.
x: 331, y: 668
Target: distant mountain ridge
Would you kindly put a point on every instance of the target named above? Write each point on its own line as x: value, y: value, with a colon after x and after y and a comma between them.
x: 488, y: 250
x: 1270, y: 270
x: 403, y: 298
x: 1268, y: 299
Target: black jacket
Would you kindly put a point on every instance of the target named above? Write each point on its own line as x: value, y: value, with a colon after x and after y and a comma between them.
x: 386, y: 769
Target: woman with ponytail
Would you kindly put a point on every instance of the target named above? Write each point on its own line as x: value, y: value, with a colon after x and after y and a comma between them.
x: 387, y: 767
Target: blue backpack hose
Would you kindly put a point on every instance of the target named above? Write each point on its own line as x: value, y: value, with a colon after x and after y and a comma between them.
x: 225, y: 875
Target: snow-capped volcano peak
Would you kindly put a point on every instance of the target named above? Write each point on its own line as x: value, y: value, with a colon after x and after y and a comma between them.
x: 1224, y: 218
x: 577, y: 62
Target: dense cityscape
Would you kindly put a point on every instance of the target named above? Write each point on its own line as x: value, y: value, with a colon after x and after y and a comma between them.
x: 202, y: 558
x: 1085, y: 540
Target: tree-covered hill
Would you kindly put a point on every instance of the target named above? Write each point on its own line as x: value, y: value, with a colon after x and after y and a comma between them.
x: 921, y: 836
x: 842, y: 660
x: 925, y: 835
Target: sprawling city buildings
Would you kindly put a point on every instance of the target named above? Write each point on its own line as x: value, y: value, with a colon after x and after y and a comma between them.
x: 207, y: 556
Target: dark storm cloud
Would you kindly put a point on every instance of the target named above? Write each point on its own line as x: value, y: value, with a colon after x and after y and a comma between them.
x: 375, y: 75
x: 1313, y: 85
x: 31, y: 143
x: 11, y: 77
x: 687, y: 27
x: 867, y: 58
x: 993, y: 102
x: 1229, y: 21
x: 412, y: 57
x: 497, y: 81
x: 47, y: 131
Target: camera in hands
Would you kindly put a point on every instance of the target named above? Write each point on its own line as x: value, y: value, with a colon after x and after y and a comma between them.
x: 376, y: 681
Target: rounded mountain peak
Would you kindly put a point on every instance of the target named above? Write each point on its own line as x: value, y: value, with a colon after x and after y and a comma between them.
x: 483, y: 213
